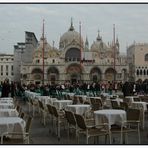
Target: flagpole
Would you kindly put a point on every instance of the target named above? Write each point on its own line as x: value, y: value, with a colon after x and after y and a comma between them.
x: 80, y: 44
x: 114, y: 52
x: 43, y: 53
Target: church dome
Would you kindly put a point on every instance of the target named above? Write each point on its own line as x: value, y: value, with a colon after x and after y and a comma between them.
x: 99, y: 45
x: 69, y: 37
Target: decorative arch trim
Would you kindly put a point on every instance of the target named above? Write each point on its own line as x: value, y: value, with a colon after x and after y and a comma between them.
x: 52, y: 70
x: 36, y: 70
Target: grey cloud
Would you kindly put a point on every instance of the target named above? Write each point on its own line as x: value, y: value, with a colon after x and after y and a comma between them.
x: 130, y: 19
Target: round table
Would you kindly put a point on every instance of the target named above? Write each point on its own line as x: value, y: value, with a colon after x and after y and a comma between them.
x: 79, y: 108
x: 6, y: 101
x: 130, y: 99
x: 89, y: 98
x: 113, y: 116
x: 61, y: 104
x: 43, y: 99
x: 6, y: 105
x: 6, y: 98
x: 12, y: 124
x: 8, y: 113
x: 140, y: 105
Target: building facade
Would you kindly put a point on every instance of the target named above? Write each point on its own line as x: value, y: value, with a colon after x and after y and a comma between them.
x: 23, y: 53
x: 18, y: 55
x: 137, y: 57
x: 6, y: 67
x: 75, y: 61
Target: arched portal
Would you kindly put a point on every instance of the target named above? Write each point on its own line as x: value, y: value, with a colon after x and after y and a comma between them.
x: 53, y: 75
x: 95, y: 74
x: 74, y: 73
x: 37, y: 75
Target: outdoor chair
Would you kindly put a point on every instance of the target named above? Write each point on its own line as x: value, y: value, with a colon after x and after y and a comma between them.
x: 115, y: 104
x: 128, y: 101
x: 18, y: 108
x: 144, y: 98
x: 91, y: 130
x: 99, y: 101
x: 136, y: 99
x: 43, y: 112
x: 71, y: 121
x: 130, y: 126
x: 95, y: 106
x: 75, y: 100
x: 33, y: 104
x: 68, y: 97
x: 132, y: 123
x: 18, y: 137
x: 65, y: 97
x: 86, y: 102
x: 124, y: 105
x: 51, y: 114
x: 92, y: 100
x: 22, y: 115
x: 81, y: 100
x: 59, y: 118
x: 28, y: 102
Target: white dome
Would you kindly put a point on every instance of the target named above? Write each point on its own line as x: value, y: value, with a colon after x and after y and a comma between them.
x: 70, y: 36
x: 98, y: 45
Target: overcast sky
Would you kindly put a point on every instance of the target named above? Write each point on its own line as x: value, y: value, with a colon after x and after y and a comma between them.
x: 131, y: 21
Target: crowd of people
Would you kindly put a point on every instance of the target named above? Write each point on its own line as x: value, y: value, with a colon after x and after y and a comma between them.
x: 128, y: 88
x: 7, y: 88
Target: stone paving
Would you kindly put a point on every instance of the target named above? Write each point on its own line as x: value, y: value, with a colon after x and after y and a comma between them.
x: 40, y: 134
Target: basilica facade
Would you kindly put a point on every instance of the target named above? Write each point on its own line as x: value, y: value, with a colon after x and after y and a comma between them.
x: 75, y: 61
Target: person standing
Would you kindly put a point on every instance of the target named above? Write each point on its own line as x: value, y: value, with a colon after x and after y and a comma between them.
x: 12, y: 89
x: 5, y: 88
x: 125, y: 89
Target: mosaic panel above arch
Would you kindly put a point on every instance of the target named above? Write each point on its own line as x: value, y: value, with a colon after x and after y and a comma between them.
x: 74, y: 68
x: 37, y: 74
x: 109, y: 74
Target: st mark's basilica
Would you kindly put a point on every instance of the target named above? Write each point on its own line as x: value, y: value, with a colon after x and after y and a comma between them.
x: 75, y: 61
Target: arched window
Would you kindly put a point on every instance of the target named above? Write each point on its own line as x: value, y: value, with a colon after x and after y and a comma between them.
x: 141, y: 72
x: 73, y: 54
x: 144, y: 72
x: 146, y: 57
x: 137, y: 72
